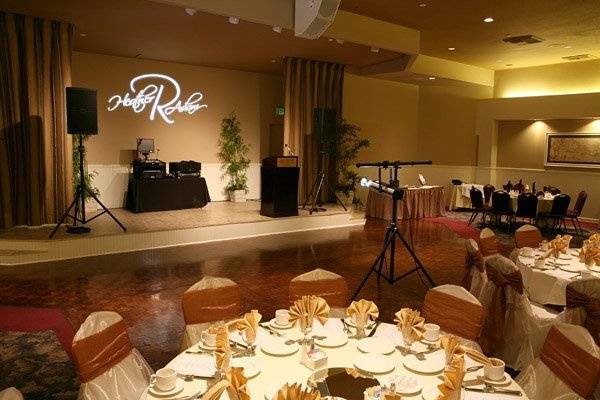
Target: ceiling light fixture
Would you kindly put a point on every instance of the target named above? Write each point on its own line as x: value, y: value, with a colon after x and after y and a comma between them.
x: 273, y: 60
x: 374, y: 49
x: 488, y: 19
x: 277, y: 29
x: 509, y: 65
x: 234, y: 20
x: 432, y: 78
x: 423, y: 5
x: 451, y: 48
x: 567, y: 46
x: 499, y: 61
x: 83, y: 34
x: 190, y: 11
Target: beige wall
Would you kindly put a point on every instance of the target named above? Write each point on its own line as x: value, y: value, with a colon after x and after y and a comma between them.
x: 253, y: 97
x: 558, y: 79
x: 447, y: 123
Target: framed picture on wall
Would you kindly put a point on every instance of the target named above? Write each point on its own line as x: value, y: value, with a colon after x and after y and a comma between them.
x: 573, y: 150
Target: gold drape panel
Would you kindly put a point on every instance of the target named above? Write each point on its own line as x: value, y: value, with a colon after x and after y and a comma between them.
x: 35, y: 151
x: 309, y: 84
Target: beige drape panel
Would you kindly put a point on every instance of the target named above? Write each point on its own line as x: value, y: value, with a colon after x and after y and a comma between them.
x: 35, y: 151
x: 309, y: 84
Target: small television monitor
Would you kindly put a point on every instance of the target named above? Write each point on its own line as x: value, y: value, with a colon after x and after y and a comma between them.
x: 145, y: 146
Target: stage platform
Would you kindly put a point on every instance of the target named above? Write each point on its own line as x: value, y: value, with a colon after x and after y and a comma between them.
x: 217, y: 221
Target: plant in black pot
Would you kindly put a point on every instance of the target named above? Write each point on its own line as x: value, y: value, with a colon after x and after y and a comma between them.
x: 349, y: 144
x: 233, y: 152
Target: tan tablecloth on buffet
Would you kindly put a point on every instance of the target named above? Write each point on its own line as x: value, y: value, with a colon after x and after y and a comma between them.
x: 423, y: 202
x: 461, y: 195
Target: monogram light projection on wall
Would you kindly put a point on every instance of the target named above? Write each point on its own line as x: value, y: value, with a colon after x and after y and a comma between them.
x: 153, y: 98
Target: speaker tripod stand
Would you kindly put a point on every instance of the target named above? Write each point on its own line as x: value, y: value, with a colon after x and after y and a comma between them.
x: 315, y: 190
x: 79, y: 202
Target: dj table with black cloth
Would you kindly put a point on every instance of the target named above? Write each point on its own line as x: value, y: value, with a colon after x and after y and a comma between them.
x: 167, y: 194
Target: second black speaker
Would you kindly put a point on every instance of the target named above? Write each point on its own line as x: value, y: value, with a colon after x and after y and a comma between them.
x: 82, y: 116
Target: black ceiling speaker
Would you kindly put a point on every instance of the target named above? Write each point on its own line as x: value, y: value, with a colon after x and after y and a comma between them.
x: 82, y: 115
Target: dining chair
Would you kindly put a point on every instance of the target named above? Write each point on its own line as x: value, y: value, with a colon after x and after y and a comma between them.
x: 528, y: 236
x: 488, y: 242
x: 487, y: 192
x: 519, y: 187
x: 583, y: 305
x: 575, y: 213
x: 209, y: 301
x: 456, y: 311
x: 558, y: 213
x: 11, y: 393
x: 326, y: 284
x: 109, y: 366
x: 568, y: 366
x: 474, y: 277
x: 527, y: 207
x: 502, y: 206
x: 477, y: 205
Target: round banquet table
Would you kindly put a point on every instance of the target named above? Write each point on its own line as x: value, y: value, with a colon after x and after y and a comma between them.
x: 549, y: 285
x: 278, y: 370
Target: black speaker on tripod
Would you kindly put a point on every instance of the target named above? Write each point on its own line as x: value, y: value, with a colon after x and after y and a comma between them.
x: 82, y: 119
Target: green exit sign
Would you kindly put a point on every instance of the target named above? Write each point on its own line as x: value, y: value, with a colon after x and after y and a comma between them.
x: 280, y: 111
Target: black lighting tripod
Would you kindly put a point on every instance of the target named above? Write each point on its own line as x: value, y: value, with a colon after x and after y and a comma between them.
x: 392, y: 232
x: 79, y: 202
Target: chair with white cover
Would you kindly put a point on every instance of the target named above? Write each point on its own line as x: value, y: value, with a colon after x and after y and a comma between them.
x: 326, y: 284
x: 456, y: 311
x: 475, y: 277
x: 11, y: 393
x: 109, y: 367
x: 488, y: 242
x: 514, y: 329
x: 209, y: 301
x: 583, y: 306
x: 526, y: 236
x: 568, y: 367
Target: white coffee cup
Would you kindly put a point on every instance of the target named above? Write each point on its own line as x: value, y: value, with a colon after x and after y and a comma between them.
x: 208, y: 338
x: 527, y: 251
x: 544, y: 245
x: 282, y: 317
x: 540, y: 263
x: 432, y: 332
x: 165, y: 379
x: 495, y: 370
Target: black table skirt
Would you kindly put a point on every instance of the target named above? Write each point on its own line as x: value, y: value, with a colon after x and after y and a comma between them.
x: 166, y: 194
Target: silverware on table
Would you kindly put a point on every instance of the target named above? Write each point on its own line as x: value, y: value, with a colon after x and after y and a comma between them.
x: 374, y: 329
x: 493, y: 390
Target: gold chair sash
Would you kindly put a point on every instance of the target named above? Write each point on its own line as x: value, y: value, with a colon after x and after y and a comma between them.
x: 96, y: 354
x: 574, y: 366
x: 334, y: 291
x: 591, y: 306
x: 214, y: 304
x: 531, y: 238
x: 489, y: 246
x: 454, y: 315
x: 472, y: 261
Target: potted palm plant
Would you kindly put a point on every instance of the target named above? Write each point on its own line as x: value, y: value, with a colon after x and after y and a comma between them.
x: 349, y: 143
x: 233, y: 154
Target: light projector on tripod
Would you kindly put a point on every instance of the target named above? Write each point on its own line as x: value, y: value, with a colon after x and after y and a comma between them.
x: 382, y: 187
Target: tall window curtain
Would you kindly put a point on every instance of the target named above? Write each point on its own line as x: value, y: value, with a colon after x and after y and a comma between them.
x: 35, y: 151
x: 309, y: 84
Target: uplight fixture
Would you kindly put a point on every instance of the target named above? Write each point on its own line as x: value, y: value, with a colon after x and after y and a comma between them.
x: 451, y: 48
x: 488, y: 19
x: 432, y: 78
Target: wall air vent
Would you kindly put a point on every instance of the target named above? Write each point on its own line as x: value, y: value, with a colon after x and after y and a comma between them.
x: 578, y: 57
x: 523, y: 39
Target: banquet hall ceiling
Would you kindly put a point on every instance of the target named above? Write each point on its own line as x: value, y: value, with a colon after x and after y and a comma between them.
x: 459, y: 24
x: 163, y: 32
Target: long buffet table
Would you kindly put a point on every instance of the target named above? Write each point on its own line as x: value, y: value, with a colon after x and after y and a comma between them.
x: 422, y: 202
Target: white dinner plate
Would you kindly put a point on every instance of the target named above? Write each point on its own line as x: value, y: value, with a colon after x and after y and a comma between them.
x: 565, y: 257
x: 277, y: 347
x: 569, y: 268
x: 351, y: 323
x: 154, y: 391
x: 332, y: 340
x: 375, y: 345
x: 274, y: 324
x: 595, y: 268
x: 433, y: 363
x: 251, y: 369
x: 374, y: 363
x: 430, y: 393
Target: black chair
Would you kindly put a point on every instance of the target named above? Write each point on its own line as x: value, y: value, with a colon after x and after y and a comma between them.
x: 477, y: 205
x: 487, y: 192
x: 527, y: 207
x: 457, y: 182
x: 553, y: 190
x: 501, y: 205
x: 574, y: 213
x: 558, y: 213
x: 519, y: 187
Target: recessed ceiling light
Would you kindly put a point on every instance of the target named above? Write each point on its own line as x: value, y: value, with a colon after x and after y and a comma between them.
x: 374, y: 49
x: 277, y: 29
x: 432, y: 78
x: 488, y: 19
x: 83, y: 34
x: 422, y: 5
x: 451, y: 48
x: 274, y: 60
x: 566, y: 46
x: 234, y: 20
x: 499, y: 61
x: 509, y: 65
x: 330, y: 39
x: 190, y: 11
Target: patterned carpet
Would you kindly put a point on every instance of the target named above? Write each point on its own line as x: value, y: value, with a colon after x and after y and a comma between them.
x: 37, y: 365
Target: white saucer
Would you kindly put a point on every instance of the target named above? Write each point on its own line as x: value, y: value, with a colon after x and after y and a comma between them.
x: 504, y: 381
x: 251, y: 369
x: 595, y: 268
x: 569, y: 268
x: 157, y: 392
x: 374, y: 363
x: 375, y: 345
x: 275, y: 325
x: 434, y: 363
x: 430, y: 393
x: 204, y: 346
x: 332, y: 341
x: 351, y: 323
x: 277, y: 347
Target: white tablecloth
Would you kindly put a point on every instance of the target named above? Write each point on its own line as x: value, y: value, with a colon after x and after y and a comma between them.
x: 276, y: 371
x: 550, y: 286
x: 461, y: 197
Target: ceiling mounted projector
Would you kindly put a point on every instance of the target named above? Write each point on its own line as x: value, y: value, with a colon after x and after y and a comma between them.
x: 313, y: 17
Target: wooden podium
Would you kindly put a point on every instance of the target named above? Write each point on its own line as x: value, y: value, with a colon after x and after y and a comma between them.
x: 279, y: 186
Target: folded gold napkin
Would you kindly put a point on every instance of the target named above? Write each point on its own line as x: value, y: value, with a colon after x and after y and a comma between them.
x: 295, y: 392
x: 451, y: 346
x: 476, y: 356
x: 248, y: 324
x: 304, y: 310
x: 453, y: 378
x: 559, y: 245
x: 234, y: 383
x: 410, y: 323
x: 223, y: 349
x: 590, y: 255
x: 595, y: 238
x: 362, y: 311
